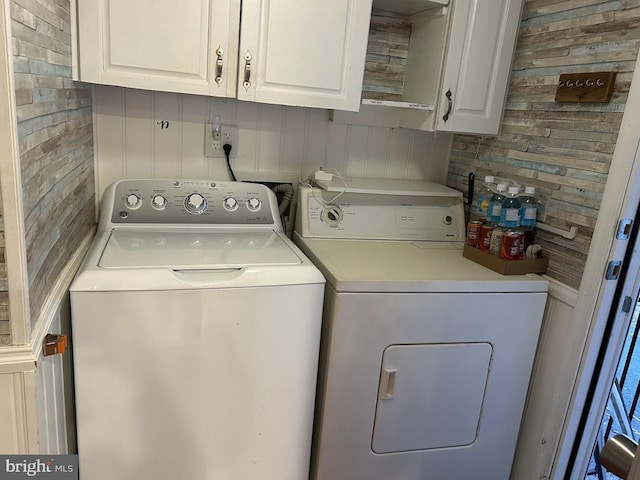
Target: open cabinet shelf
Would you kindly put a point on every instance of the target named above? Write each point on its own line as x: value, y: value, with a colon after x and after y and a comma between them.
x: 407, y: 7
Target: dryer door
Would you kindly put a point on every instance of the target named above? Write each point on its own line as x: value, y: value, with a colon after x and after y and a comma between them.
x: 430, y: 388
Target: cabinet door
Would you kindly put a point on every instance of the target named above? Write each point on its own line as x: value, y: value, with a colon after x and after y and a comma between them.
x: 478, y: 65
x: 303, y: 52
x: 160, y: 44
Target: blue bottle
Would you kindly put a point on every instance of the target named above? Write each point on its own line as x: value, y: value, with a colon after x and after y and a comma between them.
x: 529, y: 209
x: 493, y: 215
x: 510, y: 211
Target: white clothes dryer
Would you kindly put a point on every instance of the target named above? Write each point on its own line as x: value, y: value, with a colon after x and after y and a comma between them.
x: 426, y: 356
x: 196, y: 327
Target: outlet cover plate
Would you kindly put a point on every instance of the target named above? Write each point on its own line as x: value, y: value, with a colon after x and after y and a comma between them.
x: 229, y: 133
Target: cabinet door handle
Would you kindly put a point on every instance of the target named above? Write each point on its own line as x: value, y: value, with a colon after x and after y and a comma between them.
x: 247, y: 71
x: 219, y: 54
x: 445, y: 117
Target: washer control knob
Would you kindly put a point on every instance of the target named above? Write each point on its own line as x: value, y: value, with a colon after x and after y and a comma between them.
x: 332, y: 215
x: 195, y: 203
x: 159, y: 202
x: 254, y: 204
x: 132, y: 201
x: 230, y: 204
x: 447, y: 220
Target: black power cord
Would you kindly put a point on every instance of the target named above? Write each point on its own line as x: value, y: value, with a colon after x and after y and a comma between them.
x: 227, y: 151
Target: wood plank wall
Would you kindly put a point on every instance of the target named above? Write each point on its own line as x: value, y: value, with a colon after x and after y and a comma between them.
x: 55, y: 137
x: 387, y: 52
x: 564, y: 150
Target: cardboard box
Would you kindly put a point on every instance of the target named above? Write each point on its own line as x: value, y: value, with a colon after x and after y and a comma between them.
x: 505, y: 267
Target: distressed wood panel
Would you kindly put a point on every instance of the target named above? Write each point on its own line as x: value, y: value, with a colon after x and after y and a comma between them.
x: 564, y: 150
x: 271, y: 139
x: 387, y: 53
x: 55, y: 138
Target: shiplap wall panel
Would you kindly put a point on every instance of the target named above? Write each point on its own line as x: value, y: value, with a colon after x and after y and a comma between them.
x: 167, y: 142
x: 11, y: 414
x: 110, y: 143
x: 293, y: 140
x: 378, y: 152
x: 399, y: 148
x: 357, y: 139
x: 131, y: 143
x: 318, y: 140
x: 337, y: 149
x: 547, y: 389
x: 138, y: 140
x: 563, y: 149
x: 194, y: 109
x: 53, y: 392
x: 270, y: 134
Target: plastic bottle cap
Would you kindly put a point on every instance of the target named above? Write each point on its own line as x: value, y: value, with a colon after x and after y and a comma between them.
x: 514, y: 190
x: 489, y: 179
x: 530, y: 190
x: 502, y: 187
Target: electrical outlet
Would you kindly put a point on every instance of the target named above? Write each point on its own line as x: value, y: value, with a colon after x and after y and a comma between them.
x: 213, y: 147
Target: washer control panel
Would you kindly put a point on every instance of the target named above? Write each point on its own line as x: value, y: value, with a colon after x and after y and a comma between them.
x: 189, y: 202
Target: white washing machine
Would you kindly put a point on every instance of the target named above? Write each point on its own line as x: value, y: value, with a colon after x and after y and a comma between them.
x: 425, y: 356
x: 196, y: 328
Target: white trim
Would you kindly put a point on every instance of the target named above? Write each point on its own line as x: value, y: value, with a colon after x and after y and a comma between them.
x: 75, y: 46
x: 96, y: 180
x: 620, y: 200
x: 569, y: 234
x: 17, y: 359
x: 57, y: 293
x: 11, y: 184
x: 562, y: 292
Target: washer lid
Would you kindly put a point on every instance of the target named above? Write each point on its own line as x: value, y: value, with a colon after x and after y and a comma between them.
x: 196, y: 249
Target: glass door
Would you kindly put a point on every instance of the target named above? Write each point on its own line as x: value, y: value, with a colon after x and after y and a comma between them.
x: 622, y: 415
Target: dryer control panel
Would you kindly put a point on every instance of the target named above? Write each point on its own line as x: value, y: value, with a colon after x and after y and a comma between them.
x: 189, y: 202
x: 380, y: 216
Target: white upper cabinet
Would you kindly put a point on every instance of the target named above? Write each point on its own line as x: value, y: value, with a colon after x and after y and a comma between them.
x: 478, y: 65
x: 303, y: 52
x: 456, y: 71
x: 161, y: 45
